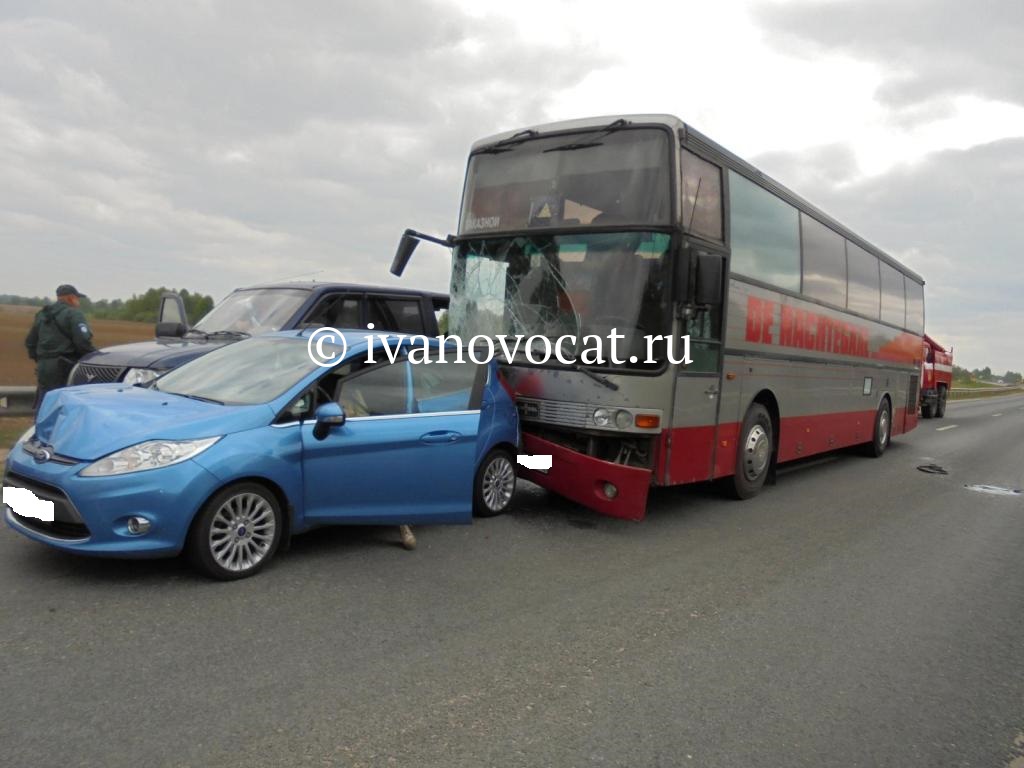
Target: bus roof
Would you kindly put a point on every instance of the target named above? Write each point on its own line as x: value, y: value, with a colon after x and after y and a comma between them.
x: 695, y: 139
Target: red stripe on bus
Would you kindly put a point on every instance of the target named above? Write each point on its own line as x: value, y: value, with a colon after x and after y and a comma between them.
x: 799, y: 437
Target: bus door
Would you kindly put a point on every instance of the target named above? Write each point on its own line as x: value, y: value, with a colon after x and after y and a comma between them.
x: 699, y: 297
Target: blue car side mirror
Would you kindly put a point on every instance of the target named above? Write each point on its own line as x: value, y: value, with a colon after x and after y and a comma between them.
x: 327, y: 415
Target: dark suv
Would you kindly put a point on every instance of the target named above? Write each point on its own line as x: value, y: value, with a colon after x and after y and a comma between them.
x: 258, y: 310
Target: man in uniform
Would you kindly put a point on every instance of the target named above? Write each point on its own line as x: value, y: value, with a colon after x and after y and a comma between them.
x: 60, y: 336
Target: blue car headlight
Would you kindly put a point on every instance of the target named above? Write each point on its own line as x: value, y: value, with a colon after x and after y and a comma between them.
x: 151, y: 454
x: 28, y: 433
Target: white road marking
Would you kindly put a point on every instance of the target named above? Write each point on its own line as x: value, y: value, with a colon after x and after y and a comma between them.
x: 951, y: 426
x: 996, y: 414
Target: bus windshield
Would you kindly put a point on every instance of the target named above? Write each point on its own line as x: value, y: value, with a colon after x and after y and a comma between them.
x: 586, y: 179
x: 563, y: 285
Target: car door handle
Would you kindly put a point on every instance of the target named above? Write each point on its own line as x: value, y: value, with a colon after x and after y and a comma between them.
x: 440, y: 437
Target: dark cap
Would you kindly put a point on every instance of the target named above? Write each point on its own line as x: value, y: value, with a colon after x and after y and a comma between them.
x: 69, y: 290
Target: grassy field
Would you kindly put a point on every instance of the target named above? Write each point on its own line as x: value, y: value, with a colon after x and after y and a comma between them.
x: 11, y: 428
x: 15, y: 322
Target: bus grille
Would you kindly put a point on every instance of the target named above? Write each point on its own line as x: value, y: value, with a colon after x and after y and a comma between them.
x: 87, y: 373
x: 555, y: 412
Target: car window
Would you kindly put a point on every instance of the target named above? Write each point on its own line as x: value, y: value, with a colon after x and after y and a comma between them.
x: 335, y: 311
x: 378, y: 390
x: 402, y: 315
x: 443, y: 386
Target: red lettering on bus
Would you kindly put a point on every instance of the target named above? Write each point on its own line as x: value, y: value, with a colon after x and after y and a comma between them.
x: 760, y: 316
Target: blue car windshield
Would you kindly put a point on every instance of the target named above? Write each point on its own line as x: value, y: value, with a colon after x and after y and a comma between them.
x: 249, y: 372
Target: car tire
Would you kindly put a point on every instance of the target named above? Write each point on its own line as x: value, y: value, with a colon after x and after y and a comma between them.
x: 237, y: 532
x: 494, y: 484
x: 883, y: 430
x: 754, y: 452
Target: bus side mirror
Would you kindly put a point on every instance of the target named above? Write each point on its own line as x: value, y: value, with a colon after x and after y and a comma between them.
x: 406, y: 246
x: 681, y: 292
x: 709, y: 279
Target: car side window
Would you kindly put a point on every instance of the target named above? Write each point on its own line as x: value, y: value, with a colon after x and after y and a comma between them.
x: 402, y: 315
x: 439, y: 387
x: 335, y: 311
x: 376, y: 390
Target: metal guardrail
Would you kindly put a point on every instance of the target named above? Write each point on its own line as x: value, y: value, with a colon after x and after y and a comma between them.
x: 17, y: 401
x: 972, y: 393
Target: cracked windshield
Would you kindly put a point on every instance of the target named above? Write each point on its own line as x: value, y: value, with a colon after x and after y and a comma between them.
x: 563, y: 285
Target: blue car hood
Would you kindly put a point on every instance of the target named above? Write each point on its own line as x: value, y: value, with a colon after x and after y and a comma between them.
x: 94, y: 420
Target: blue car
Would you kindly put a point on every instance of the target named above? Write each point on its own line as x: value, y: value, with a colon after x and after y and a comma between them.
x: 230, y: 454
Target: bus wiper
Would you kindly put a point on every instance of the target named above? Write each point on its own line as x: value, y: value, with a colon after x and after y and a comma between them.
x: 596, y: 377
x: 608, y: 129
x: 243, y: 334
x: 574, y: 145
x: 506, y: 145
x: 194, y: 332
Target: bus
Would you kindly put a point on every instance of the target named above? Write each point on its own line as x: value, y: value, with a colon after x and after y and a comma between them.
x: 802, y: 336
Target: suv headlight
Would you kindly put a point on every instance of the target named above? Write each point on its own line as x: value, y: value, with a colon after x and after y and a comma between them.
x: 139, y: 376
x: 151, y: 454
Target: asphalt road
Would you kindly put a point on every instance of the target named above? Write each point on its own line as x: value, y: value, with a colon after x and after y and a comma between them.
x: 858, y: 613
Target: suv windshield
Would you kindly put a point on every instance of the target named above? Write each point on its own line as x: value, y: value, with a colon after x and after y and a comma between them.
x: 592, y: 178
x: 253, y: 311
x: 252, y: 371
x: 563, y: 285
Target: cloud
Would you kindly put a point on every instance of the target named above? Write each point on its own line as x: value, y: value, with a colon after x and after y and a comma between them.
x: 209, y: 145
x: 929, y: 50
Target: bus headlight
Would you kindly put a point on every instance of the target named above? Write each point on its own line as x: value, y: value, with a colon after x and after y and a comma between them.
x: 602, y: 417
x: 623, y: 419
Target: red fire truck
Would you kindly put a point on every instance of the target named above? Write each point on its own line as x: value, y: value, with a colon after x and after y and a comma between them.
x: 936, y: 378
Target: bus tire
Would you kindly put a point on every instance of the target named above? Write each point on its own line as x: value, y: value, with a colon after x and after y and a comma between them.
x: 883, y: 430
x: 940, y: 404
x: 754, y: 452
x: 926, y: 410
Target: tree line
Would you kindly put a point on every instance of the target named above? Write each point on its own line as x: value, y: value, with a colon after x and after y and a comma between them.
x: 140, y: 307
x: 985, y: 374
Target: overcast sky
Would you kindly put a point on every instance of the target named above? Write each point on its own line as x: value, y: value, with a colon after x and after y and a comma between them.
x: 207, y: 145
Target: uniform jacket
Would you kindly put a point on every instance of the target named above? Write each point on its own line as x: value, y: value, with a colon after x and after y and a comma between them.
x: 59, y: 330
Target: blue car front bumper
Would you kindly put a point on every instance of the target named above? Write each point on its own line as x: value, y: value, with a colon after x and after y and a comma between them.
x: 91, y: 513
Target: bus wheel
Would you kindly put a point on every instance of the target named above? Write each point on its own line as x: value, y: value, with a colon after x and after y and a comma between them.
x: 926, y: 410
x: 754, y: 453
x: 940, y: 405
x: 883, y: 430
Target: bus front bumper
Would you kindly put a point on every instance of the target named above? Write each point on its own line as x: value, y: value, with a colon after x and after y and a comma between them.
x: 603, y: 486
